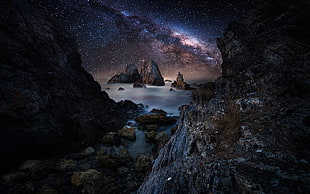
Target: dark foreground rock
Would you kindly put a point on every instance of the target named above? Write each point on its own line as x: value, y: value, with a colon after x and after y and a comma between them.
x: 49, y: 104
x: 249, y: 133
x: 131, y: 75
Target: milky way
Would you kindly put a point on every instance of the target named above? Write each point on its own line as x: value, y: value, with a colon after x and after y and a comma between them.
x: 178, y: 35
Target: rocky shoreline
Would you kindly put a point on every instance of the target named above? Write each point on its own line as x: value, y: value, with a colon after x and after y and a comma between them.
x: 105, y: 166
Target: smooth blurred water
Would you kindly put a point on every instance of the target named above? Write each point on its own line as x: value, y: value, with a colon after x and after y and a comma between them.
x: 153, y: 96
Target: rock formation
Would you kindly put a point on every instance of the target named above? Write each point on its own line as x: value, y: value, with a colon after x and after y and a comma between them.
x: 249, y: 131
x: 150, y: 74
x: 131, y: 75
x: 180, y: 83
x: 48, y: 103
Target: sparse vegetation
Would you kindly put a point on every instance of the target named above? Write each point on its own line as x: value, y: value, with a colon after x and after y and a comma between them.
x: 202, y: 94
x: 229, y: 125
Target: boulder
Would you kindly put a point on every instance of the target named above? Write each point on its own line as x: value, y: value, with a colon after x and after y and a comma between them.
x: 128, y: 133
x: 37, y: 168
x: 158, y: 111
x: 150, y: 74
x: 14, y: 177
x: 110, y: 161
x: 120, y: 88
x: 64, y: 165
x: 92, y: 181
x: 153, y: 127
x: 109, y: 138
x: 101, y: 151
x: 160, y: 119
x: 131, y: 75
x: 88, y: 151
x: 150, y: 137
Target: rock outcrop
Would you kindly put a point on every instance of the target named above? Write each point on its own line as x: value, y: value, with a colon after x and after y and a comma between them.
x: 249, y: 131
x: 48, y: 103
x: 131, y: 75
x: 180, y: 83
x: 150, y: 74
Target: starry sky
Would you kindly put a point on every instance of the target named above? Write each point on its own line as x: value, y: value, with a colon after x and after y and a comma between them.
x: 180, y: 35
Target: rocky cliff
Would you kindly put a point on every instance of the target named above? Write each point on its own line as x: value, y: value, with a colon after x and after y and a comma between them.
x: 48, y: 103
x: 249, y: 131
x: 131, y: 75
x: 150, y: 74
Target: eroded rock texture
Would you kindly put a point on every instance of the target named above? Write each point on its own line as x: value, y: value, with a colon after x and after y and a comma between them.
x: 150, y: 74
x: 249, y: 131
x: 48, y: 103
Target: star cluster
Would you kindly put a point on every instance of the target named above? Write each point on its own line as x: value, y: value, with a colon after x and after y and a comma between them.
x: 178, y: 34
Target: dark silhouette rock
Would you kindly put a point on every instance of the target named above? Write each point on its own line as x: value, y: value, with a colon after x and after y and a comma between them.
x: 150, y: 74
x: 180, y: 83
x: 131, y: 75
x: 120, y: 88
x: 48, y: 103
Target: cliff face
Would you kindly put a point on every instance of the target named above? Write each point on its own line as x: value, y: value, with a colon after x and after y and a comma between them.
x: 48, y: 103
x: 249, y: 131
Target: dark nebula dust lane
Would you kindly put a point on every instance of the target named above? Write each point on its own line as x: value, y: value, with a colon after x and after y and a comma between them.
x: 178, y: 35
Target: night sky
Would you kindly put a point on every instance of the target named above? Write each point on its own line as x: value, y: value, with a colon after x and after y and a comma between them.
x: 178, y: 35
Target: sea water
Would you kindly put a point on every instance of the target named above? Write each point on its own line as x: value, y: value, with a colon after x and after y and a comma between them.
x: 158, y: 97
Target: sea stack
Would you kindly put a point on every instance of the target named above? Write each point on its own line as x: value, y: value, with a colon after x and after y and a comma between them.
x: 131, y: 75
x: 180, y: 83
x: 150, y: 74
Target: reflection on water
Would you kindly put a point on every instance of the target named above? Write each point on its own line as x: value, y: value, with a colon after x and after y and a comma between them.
x: 153, y: 96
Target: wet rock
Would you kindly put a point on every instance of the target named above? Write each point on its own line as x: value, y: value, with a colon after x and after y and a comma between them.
x: 88, y: 151
x: 101, y: 151
x: 92, y: 181
x: 150, y: 74
x: 150, y: 136
x: 109, y: 138
x: 171, y: 90
x: 156, y: 119
x: 110, y: 161
x: 143, y: 163
x: 125, y: 156
x: 158, y: 111
x: 151, y: 127
x: 14, y: 177
x: 131, y: 75
x: 65, y: 165
x: 128, y: 133
x: 36, y: 168
x: 120, y: 88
